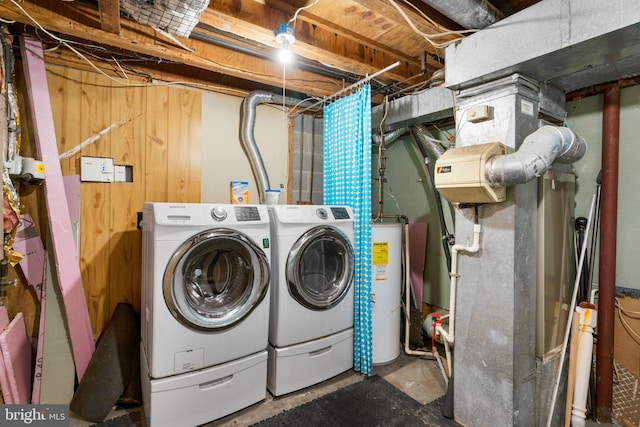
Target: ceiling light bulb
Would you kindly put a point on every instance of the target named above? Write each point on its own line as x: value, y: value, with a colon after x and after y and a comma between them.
x: 284, y: 55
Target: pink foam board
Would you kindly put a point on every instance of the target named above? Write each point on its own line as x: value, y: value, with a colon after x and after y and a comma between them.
x: 4, y: 379
x: 72, y: 189
x: 29, y: 244
x: 16, y: 352
x: 66, y: 259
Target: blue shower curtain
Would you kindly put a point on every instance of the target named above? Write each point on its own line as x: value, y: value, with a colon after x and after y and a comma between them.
x: 347, y: 181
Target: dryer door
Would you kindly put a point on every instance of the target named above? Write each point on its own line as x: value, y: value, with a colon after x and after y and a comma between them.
x: 215, y: 279
x: 320, y: 268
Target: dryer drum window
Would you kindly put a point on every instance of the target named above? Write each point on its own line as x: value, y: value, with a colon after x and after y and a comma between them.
x: 320, y: 268
x: 215, y: 279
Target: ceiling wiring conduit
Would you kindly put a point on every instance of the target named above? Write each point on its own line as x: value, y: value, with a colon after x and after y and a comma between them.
x: 539, y: 150
x: 247, y: 138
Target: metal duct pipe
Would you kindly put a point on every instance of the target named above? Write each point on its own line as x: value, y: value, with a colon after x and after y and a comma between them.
x: 535, y: 156
x: 247, y: 139
x: 389, y: 137
x: 468, y: 13
x: 608, y: 227
x: 427, y: 140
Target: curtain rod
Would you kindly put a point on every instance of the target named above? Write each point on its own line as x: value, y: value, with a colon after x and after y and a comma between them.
x: 358, y: 83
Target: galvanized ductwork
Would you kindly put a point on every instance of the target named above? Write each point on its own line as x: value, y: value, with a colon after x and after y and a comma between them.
x: 535, y: 156
x: 390, y: 136
x: 427, y: 140
x: 468, y: 13
x: 247, y: 139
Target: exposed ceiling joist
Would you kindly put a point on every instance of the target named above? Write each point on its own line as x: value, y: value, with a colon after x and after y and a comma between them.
x: 337, y: 42
x: 83, y: 22
x: 259, y: 34
x: 110, y: 15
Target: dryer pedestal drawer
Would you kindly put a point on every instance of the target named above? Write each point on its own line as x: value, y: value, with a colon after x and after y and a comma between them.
x: 302, y: 365
x: 202, y: 396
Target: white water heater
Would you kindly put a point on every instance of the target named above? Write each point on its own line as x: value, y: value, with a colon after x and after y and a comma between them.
x: 386, y: 290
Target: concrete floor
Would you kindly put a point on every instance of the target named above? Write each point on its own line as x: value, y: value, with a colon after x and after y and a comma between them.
x: 418, y: 377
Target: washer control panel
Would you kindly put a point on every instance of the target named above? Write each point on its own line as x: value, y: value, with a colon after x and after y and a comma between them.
x: 322, y: 213
x: 218, y: 213
x: 340, y: 213
x: 247, y: 213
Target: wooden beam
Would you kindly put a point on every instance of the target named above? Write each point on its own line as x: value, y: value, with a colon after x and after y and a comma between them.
x: 141, y: 39
x: 317, y: 23
x: 266, y: 37
x: 110, y: 15
x: 316, y: 39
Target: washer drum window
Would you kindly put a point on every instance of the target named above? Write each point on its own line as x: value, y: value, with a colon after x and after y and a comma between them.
x: 320, y: 268
x: 215, y: 279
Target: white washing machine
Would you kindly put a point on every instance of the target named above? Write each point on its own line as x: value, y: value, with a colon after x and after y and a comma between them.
x: 205, y: 310
x: 311, y: 319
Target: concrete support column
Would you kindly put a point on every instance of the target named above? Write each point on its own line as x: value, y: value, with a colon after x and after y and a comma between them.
x: 494, y: 354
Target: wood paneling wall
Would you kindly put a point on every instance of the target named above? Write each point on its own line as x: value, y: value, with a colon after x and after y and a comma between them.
x: 155, y: 129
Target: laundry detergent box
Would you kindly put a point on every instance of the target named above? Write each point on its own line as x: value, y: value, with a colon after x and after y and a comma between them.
x: 239, y: 192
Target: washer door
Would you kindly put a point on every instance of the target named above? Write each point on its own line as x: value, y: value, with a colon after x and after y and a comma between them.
x: 320, y: 268
x: 215, y: 279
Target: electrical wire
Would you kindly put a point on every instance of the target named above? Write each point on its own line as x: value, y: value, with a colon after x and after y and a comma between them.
x: 429, y: 37
x: 125, y: 82
x: 625, y: 324
x: 295, y: 15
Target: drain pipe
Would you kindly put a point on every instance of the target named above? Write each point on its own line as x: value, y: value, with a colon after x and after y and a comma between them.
x: 448, y: 336
x: 607, y: 263
x: 247, y: 139
x: 539, y: 150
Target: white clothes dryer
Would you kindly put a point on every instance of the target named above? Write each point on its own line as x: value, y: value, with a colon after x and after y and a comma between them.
x: 205, y: 310
x: 311, y: 318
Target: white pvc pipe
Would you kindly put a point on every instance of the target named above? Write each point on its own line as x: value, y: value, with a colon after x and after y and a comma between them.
x: 588, y: 321
x: 455, y: 249
x: 436, y: 356
x: 447, y: 350
x: 576, y: 285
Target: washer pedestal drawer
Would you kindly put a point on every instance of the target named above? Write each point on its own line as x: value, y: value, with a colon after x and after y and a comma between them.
x: 205, y: 395
x: 298, y: 366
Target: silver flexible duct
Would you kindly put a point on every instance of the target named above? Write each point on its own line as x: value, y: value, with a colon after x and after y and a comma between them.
x: 468, y: 13
x: 247, y: 139
x: 427, y: 140
x: 535, y: 156
x: 389, y: 137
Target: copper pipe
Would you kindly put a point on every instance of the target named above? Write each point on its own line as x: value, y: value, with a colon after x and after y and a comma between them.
x: 607, y: 263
